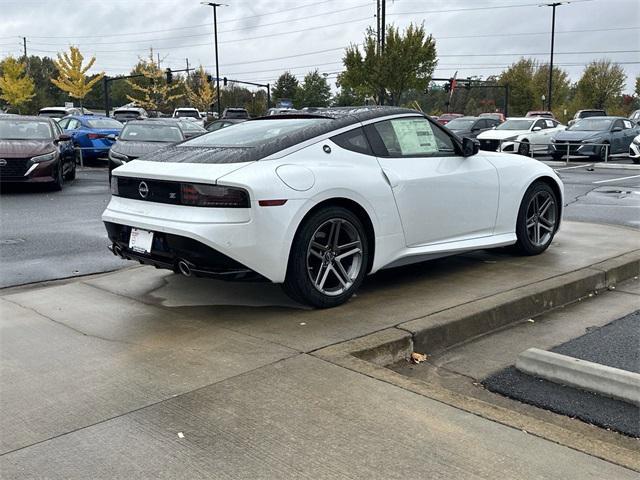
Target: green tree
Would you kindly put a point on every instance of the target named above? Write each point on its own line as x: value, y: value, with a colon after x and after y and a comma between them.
x: 522, y: 94
x: 561, y: 88
x: 601, y: 85
x: 347, y: 97
x: 16, y: 88
x: 285, y: 87
x: 72, y: 75
x: 407, y: 62
x: 152, y: 92
x: 314, y: 91
x: 638, y: 86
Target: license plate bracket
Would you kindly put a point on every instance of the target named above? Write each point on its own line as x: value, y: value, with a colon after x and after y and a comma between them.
x: 140, y: 240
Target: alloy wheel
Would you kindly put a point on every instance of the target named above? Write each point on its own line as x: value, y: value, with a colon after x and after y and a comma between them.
x: 334, y: 256
x: 541, y: 218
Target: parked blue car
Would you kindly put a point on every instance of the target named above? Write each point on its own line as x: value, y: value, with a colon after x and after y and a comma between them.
x: 90, y: 132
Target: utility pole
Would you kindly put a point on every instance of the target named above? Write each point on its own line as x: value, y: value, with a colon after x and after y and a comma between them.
x: 158, y: 59
x: 215, y: 41
x: 553, y: 33
x: 378, y: 16
x: 24, y: 43
x: 187, y: 60
x: 383, y: 26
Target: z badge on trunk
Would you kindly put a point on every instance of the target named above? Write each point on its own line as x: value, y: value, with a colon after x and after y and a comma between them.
x: 140, y: 240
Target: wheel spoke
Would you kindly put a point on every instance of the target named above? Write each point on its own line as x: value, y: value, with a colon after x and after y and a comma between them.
x: 341, y: 273
x: 546, y: 227
x: 336, y: 234
x: 545, y: 206
x: 348, y: 254
x: 321, y: 281
x: 315, y: 253
x: 340, y: 248
x: 531, y: 222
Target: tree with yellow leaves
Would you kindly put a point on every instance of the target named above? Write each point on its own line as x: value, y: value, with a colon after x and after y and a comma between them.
x: 203, y: 95
x: 152, y: 92
x: 16, y: 88
x: 72, y: 76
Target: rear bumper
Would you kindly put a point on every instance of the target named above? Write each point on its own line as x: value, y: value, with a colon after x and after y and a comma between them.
x: 169, y: 250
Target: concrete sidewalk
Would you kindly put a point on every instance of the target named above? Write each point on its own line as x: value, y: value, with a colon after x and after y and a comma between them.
x: 99, y: 375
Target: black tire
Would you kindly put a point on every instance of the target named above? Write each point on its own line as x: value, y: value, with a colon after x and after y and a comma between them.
x: 636, y: 160
x: 57, y: 184
x: 557, y: 156
x: 71, y: 174
x: 299, y: 284
x: 546, y: 223
x: 523, y: 148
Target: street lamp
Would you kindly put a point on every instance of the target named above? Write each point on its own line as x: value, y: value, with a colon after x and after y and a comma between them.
x: 553, y: 33
x: 215, y: 40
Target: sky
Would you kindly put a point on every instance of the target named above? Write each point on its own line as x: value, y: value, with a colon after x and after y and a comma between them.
x: 259, y: 39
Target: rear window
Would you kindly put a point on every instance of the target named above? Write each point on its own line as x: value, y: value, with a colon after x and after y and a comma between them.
x: 25, y: 130
x: 254, y: 133
x: 186, y: 114
x: 126, y: 114
x: 104, y: 123
x: 52, y: 113
x: 149, y: 132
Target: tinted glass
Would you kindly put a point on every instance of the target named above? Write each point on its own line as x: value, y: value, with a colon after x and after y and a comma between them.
x: 592, y: 113
x: 187, y: 114
x: 253, y: 133
x: 53, y: 113
x: 25, y: 130
x: 354, y: 140
x: 149, y: 132
x: 591, y: 125
x: 191, y: 127
x: 461, y: 124
x: 126, y: 114
x: 104, y: 123
x: 515, y: 125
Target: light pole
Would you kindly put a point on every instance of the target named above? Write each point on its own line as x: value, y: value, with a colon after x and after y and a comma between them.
x: 553, y: 33
x: 215, y: 41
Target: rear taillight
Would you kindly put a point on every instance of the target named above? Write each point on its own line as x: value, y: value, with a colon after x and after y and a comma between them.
x: 201, y: 195
x: 94, y: 136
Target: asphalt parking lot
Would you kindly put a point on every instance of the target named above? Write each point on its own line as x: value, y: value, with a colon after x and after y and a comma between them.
x: 68, y: 239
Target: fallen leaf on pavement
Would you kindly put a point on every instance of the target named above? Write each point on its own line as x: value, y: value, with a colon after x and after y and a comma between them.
x: 418, y: 357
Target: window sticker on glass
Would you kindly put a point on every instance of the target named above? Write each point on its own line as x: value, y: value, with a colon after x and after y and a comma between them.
x: 415, y: 136
x: 549, y: 123
x: 627, y: 124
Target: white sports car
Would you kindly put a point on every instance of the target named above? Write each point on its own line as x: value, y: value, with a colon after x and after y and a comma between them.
x: 317, y: 201
x: 518, y: 135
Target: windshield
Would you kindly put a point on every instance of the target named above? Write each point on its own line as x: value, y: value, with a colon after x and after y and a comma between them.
x: 253, y: 133
x: 591, y: 125
x: 104, y: 123
x: 126, y: 114
x: 461, y: 124
x: 591, y: 113
x: 191, y: 127
x: 25, y: 130
x: 186, y: 114
x: 515, y: 125
x: 149, y: 132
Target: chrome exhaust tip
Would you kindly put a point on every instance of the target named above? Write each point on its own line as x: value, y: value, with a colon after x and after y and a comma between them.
x: 184, y: 268
x: 116, y: 250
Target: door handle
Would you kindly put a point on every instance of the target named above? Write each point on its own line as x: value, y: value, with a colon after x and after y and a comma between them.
x: 390, y: 177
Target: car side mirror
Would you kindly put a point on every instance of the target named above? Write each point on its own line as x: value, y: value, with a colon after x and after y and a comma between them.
x: 112, y: 137
x: 537, y: 129
x: 62, y: 138
x: 470, y: 146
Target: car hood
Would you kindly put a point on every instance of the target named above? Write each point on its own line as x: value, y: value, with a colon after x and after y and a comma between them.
x: 25, y: 148
x: 569, y: 135
x: 460, y: 131
x: 500, y: 134
x: 137, y: 149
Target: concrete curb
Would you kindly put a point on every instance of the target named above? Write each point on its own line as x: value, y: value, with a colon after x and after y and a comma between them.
x: 446, y: 328
x: 589, y: 376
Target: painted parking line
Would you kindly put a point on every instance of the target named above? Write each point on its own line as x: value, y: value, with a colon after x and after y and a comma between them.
x: 617, y: 179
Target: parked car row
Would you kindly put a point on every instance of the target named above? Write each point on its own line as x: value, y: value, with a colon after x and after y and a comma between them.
x: 538, y: 133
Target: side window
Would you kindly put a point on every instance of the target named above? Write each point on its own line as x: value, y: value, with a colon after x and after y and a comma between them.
x: 618, y: 124
x: 57, y: 131
x: 354, y: 140
x: 64, y: 123
x: 414, y: 136
x: 73, y: 124
x: 627, y: 124
x: 540, y: 123
x: 482, y: 124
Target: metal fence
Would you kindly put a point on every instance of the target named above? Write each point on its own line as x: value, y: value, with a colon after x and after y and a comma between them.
x: 567, y: 155
x: 80, y: 156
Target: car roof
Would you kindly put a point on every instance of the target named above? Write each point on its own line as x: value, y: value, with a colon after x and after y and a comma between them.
x: 38, y: 118
x: 165, y: 121
x: 85, y: 117
x: 605, y: 117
